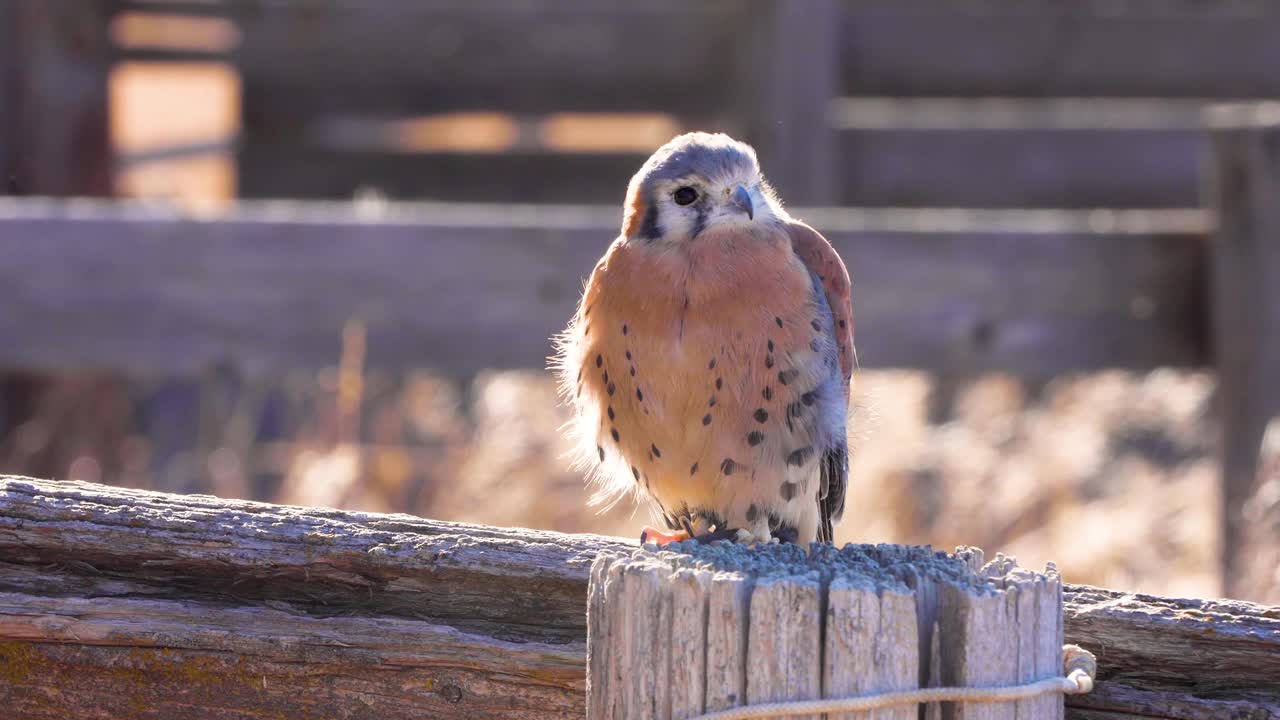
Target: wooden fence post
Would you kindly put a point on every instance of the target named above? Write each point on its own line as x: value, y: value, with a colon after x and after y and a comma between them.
x: 787, y: 84
x: 54, y: 60
x: 674, y: 633
x: 1244, y: 190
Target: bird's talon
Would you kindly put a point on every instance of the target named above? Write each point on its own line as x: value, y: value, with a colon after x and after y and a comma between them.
x: 654, y: 535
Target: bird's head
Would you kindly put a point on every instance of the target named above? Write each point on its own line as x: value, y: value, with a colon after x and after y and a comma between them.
x: 696, y: 182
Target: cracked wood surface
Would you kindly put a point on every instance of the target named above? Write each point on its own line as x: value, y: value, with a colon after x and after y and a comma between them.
x: 130, y: 604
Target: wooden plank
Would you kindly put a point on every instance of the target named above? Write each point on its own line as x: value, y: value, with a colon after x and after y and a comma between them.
x: 728, y: 618
x: 384, y: 56
x: 54, y: 63
x: 10, y: 57
x: 272, y: 170
x: 786, y: 83
x: 189, y: 659
x: 1044, y: 48
x: 599, y: 658
x: 1068, y: 153
x: 63, y: 543
x: 784, y: 641
x: 801, y: 630
x: 460, y: 288
x: 690, y: 619
x: 891, y: 662
x: 1245, y: 191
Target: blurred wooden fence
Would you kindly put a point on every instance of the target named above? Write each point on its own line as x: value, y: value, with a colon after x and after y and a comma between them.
x: 975, y: 103
x: 981, y: 103
x: 840, y: 97
x: 465, y: 287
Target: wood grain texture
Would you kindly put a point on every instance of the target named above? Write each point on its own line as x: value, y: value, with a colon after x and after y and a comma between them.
x: 784, y: 647
x: 84, y: 555
x: 464, y: 287
x: 514, y: 585
x: 1114, y: 700
x: 690, y: 605
x: 1244, y: 189
x: 826, y: 623
x: 891, y: 662
x: 1175, y: 642
x: 728, y: 619
x: 123, y: 657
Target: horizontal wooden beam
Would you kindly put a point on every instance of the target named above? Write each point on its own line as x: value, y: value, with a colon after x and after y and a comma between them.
x: 1004, y: 152
x: 386, y: 57
x: 1043, y: 48
x: 313, y: 171
x: 465, y: 287
x: 993, y: 161
x: 199, y: 607
x: 364, y: 55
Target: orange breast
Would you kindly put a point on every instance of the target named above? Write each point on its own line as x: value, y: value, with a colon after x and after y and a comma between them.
x: 681, y: 351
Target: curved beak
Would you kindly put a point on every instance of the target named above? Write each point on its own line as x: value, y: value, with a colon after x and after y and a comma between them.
x: 741, y: 199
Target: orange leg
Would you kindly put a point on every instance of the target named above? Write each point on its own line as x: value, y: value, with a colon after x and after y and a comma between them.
x: 662, y: 537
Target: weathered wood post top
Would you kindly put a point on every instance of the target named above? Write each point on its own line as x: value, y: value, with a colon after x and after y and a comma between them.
x: 692, y: 629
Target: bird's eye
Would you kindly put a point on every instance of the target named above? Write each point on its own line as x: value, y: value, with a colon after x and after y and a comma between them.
x: 685, y: 195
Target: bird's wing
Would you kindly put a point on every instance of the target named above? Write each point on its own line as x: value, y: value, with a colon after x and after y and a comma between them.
x: 818, y: 255
x: 822, y: 260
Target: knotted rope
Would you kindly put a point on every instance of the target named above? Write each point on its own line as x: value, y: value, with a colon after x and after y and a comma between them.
x: 1079, y: 667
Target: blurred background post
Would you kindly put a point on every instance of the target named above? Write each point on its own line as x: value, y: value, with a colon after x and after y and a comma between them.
x: 331, y: 240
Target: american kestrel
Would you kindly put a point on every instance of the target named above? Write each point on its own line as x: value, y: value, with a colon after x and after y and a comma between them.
x: 709, y: 363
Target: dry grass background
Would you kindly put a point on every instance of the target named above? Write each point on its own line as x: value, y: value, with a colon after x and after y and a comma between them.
x: 1110, y: 475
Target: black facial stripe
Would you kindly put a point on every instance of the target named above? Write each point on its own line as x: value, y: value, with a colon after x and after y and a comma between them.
x: 699, y: 222
x: 649, y: 229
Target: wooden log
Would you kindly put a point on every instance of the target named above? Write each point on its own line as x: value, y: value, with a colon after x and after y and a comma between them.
x: 463, y: 287
x: 129, y: 658
x: 279, y: 588
x: 1244, y: 189
x: 812, y: 627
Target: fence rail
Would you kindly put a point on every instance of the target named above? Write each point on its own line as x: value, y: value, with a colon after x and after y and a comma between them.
x: 780, y: 74
x: 462, y: 288
x: 131, y: 603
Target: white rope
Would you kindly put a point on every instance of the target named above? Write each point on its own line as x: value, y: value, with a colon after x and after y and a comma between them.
x: 1079, y: 666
